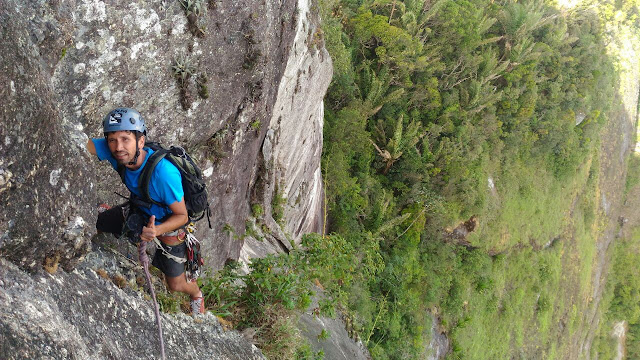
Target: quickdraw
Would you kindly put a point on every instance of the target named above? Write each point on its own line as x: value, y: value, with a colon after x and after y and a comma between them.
x: 194, y: 259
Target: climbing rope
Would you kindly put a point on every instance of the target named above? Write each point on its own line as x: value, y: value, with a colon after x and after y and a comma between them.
x: 144, y: 259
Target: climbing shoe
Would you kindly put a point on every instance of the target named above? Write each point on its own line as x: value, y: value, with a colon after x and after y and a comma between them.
x: 103, y: 207
x: 197, y: 306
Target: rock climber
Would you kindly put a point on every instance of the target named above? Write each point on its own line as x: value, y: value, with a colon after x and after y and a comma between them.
x: 123, y: 146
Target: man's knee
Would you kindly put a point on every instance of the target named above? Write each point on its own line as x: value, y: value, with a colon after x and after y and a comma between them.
x: 176, y: 283
x: 110, y: 221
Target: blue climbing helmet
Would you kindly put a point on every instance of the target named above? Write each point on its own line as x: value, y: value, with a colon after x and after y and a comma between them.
x: 123, y: 118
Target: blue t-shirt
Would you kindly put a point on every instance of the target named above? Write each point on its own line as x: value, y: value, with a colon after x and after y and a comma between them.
x: 165, y: 185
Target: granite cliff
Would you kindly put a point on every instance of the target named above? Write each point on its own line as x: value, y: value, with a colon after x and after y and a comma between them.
x: 244, y: 95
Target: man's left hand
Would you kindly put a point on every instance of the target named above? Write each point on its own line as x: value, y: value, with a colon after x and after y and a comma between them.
x: 149, y: 231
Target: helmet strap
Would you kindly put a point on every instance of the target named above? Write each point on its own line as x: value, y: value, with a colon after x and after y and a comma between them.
x: 135, y: 158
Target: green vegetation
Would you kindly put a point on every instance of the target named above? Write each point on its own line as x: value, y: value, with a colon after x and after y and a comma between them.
x: 272, y: 295
x: 171, y: 302
x: 430, y: 100
x: 324, y: 335
x: 253, y: 51
x: 183, y: 70
x: 215, y: 146
x: 633, y: 175
x: 617, y: 12
x: 277, y: 206
x: 203, y: 89
x: 269, y: 299
x: 622, y: 299
x: 194, y: 9
x: 257, y: 210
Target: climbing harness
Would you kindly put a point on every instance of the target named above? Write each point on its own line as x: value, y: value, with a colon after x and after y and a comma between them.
x: 193, y: 257
x: 160, y: 247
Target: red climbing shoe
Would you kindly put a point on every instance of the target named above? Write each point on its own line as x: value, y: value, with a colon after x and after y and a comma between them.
x: 103, y: 207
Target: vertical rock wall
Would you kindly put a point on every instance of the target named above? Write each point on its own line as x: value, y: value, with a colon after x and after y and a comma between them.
x: 250, y: 112
x: 45, y: 193
x: 290, y: 189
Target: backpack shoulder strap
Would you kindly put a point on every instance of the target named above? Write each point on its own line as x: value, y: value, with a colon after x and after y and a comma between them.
x: 145, y: 175
x: 121, y: 170
x: 153, y: 145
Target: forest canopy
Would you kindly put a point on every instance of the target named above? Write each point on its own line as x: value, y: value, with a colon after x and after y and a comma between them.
x: 441, y: 112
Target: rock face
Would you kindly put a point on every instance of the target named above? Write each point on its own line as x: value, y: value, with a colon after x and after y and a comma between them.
x: 329, y: 335
x: 240, y: 85
x: 80, y: 315
x: 291, y: 190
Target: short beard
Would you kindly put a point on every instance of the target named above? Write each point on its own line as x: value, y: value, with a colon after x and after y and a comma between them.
x: 120, y: 161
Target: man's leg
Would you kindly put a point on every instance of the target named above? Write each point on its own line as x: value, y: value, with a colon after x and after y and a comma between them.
x: 176, y: 278
x: 179, y: 283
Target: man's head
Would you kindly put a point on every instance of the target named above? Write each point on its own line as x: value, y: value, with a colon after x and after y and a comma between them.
x: 125, y: 146
x: 125, y: 132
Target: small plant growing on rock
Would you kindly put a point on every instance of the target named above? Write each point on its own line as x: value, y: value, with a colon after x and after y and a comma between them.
x: 228, y: 229
x: 257, y: 210
x: 327, y: 307
x: 215, y: 146
x: 251, y: 58
x: 203, y: 90
x: 255, y: 90
x: 252, y: 231
x: 171, y: 303
x: 253, y: 54
x: 324, y: 335
x: 194, y: 9
x: 277, y: 206
x: 183, y: 70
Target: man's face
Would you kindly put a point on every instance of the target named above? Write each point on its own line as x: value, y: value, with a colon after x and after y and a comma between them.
x: 122, y: 145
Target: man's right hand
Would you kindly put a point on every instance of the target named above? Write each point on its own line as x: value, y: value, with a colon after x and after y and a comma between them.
x: 149, y: 232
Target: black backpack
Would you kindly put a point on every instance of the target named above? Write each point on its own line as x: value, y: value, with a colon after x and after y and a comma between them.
x: 195, y: 192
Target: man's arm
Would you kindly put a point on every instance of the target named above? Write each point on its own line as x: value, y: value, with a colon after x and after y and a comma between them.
x: 91, y: 147
x: 175, y: 221
x: 178, y: 219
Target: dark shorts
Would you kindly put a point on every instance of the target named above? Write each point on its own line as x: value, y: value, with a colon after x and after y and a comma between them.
x: 111, y: 221
x: 169, y: 267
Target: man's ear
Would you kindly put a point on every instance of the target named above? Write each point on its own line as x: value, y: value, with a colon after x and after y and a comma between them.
x: 142, y: 141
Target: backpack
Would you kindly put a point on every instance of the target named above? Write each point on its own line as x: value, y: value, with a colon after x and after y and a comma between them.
x: 193, y: 185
